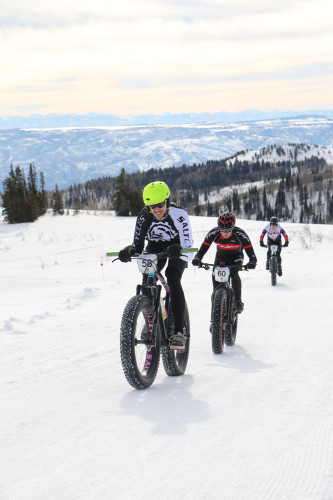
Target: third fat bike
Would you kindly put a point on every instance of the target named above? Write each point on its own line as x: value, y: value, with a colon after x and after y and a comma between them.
x: 273, y: 262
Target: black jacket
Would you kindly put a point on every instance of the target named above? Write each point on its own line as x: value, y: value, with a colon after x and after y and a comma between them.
x: 173, y: 228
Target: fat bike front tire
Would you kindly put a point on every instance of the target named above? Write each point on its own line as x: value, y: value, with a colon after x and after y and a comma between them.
x: 273, y: 269
x: 219, y: 309
x: 139, y: 357
x: 231, y: 330
x: 175, y: 362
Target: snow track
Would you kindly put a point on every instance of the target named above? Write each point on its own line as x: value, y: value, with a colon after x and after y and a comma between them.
x: 255, y: 423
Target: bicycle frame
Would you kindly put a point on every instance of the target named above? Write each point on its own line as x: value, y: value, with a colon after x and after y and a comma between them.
x: 147, y: 264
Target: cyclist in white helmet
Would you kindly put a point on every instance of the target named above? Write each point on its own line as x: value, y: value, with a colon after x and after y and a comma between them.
x: 164, y: 225
x: 274, y: 231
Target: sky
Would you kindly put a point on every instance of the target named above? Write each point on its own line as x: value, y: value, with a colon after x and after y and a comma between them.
x: 255, y: 422
x: 164, y: 56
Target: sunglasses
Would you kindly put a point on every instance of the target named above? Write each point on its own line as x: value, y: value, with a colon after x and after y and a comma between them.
x: 158, y: 205
x: 225, y: 230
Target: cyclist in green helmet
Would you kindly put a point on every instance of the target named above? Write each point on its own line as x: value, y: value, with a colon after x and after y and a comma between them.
x: 164, y: 225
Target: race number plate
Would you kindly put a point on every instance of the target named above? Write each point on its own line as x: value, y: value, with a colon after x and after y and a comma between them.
x: 221, y: 273
x: 147, y: 263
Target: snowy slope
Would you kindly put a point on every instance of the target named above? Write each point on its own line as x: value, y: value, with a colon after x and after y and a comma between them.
x: 253, y: 423
x: 73, y: 155
x: 286, y: 152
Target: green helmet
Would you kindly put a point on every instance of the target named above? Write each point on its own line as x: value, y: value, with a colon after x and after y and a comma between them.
x: 155, y: 192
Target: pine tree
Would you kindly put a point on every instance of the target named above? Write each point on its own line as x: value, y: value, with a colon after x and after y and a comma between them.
x: 209, y: 209
x: 127, y: 200
x: 33, y: 205
x: 57, y: 202
x: 22, y: 202
x: 197, y: 209
x: 15, y: 197
x: 136, y: 201
x: 235, y: 201
x: 122, y: 201
x: 280, y: 200
x: 9, y: 197
x: 42, y: 196
x: 289, y: 181
x: 77, y: 207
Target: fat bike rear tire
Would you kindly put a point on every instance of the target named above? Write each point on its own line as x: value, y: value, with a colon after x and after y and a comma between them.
x: 231, y: 330
x: 273, y: 269
x: 139, y: 360
x: 175, y: 362
x: 219, y: 309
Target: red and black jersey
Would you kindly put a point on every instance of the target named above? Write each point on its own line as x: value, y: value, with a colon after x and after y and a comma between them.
x: 227, y: 248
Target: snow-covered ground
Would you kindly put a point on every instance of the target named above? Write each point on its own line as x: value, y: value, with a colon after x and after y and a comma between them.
x: 255, y: 423
x: 286, y: 152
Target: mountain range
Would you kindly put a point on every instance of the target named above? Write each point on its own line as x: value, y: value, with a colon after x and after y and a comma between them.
x: 55, y: 120
x: 72, y: 155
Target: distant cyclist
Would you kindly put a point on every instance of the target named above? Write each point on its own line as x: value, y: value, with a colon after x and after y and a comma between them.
x: 230, y: 242
x: 165, y: 226
x: 274, y: 231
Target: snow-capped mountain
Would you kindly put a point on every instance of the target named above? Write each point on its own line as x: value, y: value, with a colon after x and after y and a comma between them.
x: 74, y: 155
x: 285, y: 152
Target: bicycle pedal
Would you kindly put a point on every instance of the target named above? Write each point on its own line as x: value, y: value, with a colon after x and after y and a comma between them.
x: 177, y: 348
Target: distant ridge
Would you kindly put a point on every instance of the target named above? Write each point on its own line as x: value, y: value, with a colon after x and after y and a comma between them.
x: 70, y: 156
x: 108, y: 120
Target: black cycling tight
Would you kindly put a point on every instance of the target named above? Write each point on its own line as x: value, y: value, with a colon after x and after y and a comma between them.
x: 173, y: 273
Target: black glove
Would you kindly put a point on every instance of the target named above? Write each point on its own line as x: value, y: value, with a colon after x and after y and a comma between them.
x: 252, y: 263
x: 262, y: 244
x: 196, y: 261
x: 174, y: 251
x: 286, y: 243
x: 126, y: 253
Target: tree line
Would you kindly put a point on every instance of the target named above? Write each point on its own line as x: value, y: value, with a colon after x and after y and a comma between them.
x: 297, y: 190
x: 292, y: 189
x: 24, y: 200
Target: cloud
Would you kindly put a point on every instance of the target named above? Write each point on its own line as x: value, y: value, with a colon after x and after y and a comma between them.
x: 116, y: 48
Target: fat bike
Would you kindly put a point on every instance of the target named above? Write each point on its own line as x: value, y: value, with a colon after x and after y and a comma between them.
x: 224, y: 316
x: 147, y: 325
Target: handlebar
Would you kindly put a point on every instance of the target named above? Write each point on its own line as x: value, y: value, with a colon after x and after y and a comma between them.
x: 266, y: 246
x: 206, y: 266
x: 159, y: 255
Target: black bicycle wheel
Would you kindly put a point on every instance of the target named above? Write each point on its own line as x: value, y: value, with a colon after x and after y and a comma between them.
x: 140, y: 354
x: 231, y: 327
x: 273, y: 269
x: 175, y: 362
x: 219, y: 308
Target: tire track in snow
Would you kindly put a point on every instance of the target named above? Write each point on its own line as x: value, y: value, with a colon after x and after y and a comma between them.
x: 70, y: 303
x: 313, y: 452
